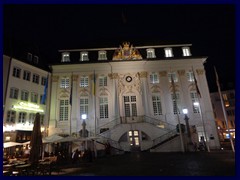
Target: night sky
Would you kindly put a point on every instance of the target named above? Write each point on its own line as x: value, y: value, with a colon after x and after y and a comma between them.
x: 45, y: 29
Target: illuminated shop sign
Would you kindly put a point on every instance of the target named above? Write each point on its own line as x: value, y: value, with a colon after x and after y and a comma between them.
x: 28, y: 106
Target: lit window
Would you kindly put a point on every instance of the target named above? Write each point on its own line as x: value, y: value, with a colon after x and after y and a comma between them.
x: 186, y: 51
x: 190, y: 76
x: 24, y: 95
x: 31, y: 118
x: 225, y: 97
x: 175, y: 79
x: 84, y: 56
x: 168, y: 52
x: 103, y: 107
x: 84, y: 81
x: 103, y: 81
x: 65, y: 57
x: 35, y: 78
x: 83, y: 106
x: 63, y: 113
x: 16, y: 72
x: 195, y: 102
x: 14, y: 93
x: 157, y: 107
x: 154, y: 78
x: 64, y: 83
x: 26, y: 75
x: 151, y: 53
x: 102, y: 55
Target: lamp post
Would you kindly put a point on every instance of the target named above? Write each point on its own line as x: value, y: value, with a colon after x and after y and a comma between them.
x: 186, y: 118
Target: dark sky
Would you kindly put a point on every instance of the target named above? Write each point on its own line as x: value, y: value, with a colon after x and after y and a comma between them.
x: 47, y: 28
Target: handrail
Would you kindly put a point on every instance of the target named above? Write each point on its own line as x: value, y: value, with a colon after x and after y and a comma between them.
x: 159, y: 123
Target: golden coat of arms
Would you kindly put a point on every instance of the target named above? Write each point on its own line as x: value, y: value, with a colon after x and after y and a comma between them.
x: 126, y: 52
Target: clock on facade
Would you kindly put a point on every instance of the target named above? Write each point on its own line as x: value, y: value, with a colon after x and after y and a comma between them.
x: 128, y: 78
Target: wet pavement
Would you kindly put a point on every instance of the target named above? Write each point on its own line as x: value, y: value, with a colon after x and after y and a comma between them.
x: 221, y: 163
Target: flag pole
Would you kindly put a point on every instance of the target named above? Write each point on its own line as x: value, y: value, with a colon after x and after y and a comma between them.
x: 94, y: 99
x: 200, y: 109
x: 70, y: 102
x: 223, y: 108
x: 179, y: 124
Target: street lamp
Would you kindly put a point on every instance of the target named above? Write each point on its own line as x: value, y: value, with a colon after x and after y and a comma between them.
x: 186, y: 118
x: 84, y: 117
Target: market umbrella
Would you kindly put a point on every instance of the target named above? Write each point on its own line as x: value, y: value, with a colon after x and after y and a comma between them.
x: 36, y: 141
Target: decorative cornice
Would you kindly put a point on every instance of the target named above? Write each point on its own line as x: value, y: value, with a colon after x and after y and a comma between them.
x: 163, y: 73
x: 181, y: 72
x: 113, y: 76
x: 143, y: 74
x: 74, y: 77
x: 200, y: 71
x: 55, y: 78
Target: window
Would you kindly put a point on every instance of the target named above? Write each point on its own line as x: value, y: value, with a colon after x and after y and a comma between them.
x: 14, y: 93
x: 29, y: 57
x: 26, y: 75
x: 43, y: 81
x: 102, y: 55
x: 157, y: 107
x: 103, y: 81
x: 24, y: 95
x: 84, y: 81
x: 64, y: 83
x: 16, y: 72
x: 186, y: 51
x: 130, y: 105
x: 168, y: 52
x: 175, y: 79
x: 154, y: 78
x: 11, y: 116
x: 34, y: 97
x: 65, y: 57
x: 84, y: 56
x: 176, y: 103
x: 35, y: 78
x: 42, y: 119
x: 225, y: 97
x: 31, y: 118
x: 22, y: 117
x: 63, y: 113
x: 103, y: 107
x: 195, y: 103
x: 35, y: 59
x: 151, y: 53
x: 190, y: 76
x: 83, y: 106
x: 41, y: 101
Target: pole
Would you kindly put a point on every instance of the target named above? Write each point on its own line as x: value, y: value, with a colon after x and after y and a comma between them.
x: 224, y: 109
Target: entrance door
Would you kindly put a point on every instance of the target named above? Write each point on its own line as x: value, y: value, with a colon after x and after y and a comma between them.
x: 130, y: 107
x: 134, y: 140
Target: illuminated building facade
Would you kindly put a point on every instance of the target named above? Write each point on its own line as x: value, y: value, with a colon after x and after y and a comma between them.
x: 128, y: 96
x: 23, y: 90
x: 229, y: 102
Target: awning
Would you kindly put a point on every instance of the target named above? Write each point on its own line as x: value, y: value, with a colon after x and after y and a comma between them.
x: 11, y: 144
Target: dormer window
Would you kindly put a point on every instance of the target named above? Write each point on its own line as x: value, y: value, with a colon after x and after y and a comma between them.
x: 65, y: 57
x: 102, y: 55
x: 151, y: 53
x: 168, y: 52
x: 35, y: 59
x: 186, y: 51
x: 84, y: 56
x: 29, y: 57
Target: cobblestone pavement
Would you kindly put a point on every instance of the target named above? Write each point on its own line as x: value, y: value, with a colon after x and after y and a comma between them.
x: 221, y: 163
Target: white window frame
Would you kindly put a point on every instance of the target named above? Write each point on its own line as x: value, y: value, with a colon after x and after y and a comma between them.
x: 65, y: 82
x: 65, y: 57
x: 24, y: 95
x: 154, y: 78
x: 26, y: 75
x: 16, y: 72
x: 176, y: 103
x: 102, y: 55
x: 11, y: 116
x: 157, y: 105
x: 34, y: 97
x: 168, y: 52
x: 174, y: 75
x: 22, y: 117
x: 84, y: 81
x: 84, y: 103
x: 190, y: 76
x: 14, y: 93
x: 103, y: 107
x: 84, y: 56
x: 151, y: 53
x: 35, y: 78
x: 43, y: 81
x: 194, y: 99
x: 186, y: 51
x: 102, y: 81
x: 63, y: 109
x: 31, y: 118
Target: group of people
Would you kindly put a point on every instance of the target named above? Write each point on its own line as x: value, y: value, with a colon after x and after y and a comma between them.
x: 86, y: 156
